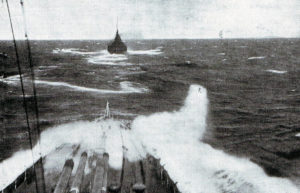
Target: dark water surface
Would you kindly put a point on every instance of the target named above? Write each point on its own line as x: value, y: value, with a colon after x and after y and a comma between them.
x: 253, y: 88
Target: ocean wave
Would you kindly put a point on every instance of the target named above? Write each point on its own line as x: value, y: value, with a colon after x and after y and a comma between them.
x: 156, y: 51
x: 256, y: 57
x: 105, y: 58
x: 174, y: 137
x: 125, y: 87
x: 75, y: 51
x: 12, y: 80
x: 276, y: 71
x: 47, y: 67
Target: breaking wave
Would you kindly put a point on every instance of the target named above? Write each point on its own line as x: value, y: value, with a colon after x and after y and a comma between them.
x: 105, y: 58
x: 174, y: 137
x: 75, y: 51
x: 156, y: 51
x: 12, y: 80
x: 277, y: 71
x: 126, y: 87
x: 256, y: 58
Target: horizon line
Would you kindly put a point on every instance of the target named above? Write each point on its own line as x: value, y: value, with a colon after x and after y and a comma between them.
x: 106, y: 39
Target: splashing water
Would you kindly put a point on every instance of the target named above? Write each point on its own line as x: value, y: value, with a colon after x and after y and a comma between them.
x: 174, y: 137
x: 55, y: 144
x: 105, y: 58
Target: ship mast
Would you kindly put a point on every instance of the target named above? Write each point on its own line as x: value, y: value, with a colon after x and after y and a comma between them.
x: 117, y: 24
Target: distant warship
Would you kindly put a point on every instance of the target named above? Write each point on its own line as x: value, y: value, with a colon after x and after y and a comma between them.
x: 117, y: 46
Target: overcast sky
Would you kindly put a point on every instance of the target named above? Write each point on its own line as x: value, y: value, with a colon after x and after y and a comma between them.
x: 96, y: 19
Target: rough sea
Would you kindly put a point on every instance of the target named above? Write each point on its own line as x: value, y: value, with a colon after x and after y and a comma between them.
x: 223, y: 115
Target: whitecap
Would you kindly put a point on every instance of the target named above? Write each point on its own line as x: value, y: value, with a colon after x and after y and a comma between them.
x: 75, y: 51
x: 12, y: 80
x: 133, y: 87
x: 105, y: 58
x: 156, y: 51
x: 277, y: 71
x: 175, y: 138
x: 125, y: 87
x: 256, y: 58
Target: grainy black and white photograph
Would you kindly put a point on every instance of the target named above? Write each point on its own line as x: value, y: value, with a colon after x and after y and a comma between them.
x: 150, y: 96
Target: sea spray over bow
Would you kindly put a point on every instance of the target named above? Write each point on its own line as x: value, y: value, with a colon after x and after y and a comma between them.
x: 175, y: 138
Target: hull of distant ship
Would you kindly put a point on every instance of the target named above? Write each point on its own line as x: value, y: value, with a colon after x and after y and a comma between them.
x: 116, y: 49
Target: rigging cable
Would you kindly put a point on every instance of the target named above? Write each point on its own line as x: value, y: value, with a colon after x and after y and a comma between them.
x: 123, y: 159
x: 22, y: 85
x: 34, y: 94
x: 32, y: 72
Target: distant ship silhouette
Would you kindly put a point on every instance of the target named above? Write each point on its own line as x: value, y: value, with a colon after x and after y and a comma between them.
x: 117, y: 46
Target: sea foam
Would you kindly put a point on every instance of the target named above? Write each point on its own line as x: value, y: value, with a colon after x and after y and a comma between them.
x: 12, y: 80
x: 75, y: 51
x: 105, y: 58
x: 277, y: 71
x: 126, y: 87
x: 56, y: 142
x: 256, y: 58
x: 156, y: 51
x: 174, y: 137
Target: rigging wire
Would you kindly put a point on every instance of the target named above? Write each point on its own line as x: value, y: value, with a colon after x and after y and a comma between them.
x: 22, y: 86
x: 32, y: 72
x: 34, y: 91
